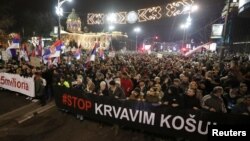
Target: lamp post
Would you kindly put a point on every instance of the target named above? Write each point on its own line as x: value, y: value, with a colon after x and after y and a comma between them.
x: 225, y: 30
x: 59, y: 12
x: 136, y: 30
x: 184, y: 27
x: 187, y: 24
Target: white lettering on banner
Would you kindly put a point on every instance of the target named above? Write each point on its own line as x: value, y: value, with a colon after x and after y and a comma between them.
x: 17, y: 83
x: 189, y: 124
x: 140, y: 117
x: 123, y: 113
x: 116, y: 113
x: 133, y: 118
x: 164, y: 120
x: 149, y: 120
x: 181, y: 124
x: 107, y: 110
x: 98, y: 109
x: 175, y: 122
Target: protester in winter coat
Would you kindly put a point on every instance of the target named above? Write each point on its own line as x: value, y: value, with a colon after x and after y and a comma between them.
x: 190, y: 100
x: 116, y: 91
x: 243, y: 107
x: 39, y: 88
x: 214, y: 102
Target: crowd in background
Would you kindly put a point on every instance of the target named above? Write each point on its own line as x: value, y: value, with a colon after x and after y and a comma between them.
x: 198, y: 82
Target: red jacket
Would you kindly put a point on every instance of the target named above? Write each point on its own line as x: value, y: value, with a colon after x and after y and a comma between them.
x: 127, y: 86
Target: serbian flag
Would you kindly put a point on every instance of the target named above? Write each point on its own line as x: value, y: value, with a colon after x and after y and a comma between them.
x: 101, y: 54
x: 46, y: 54
x: 56, y: 49
x: 93, y: 52
x: 11, y: 50
x: 24, y: 53
x: 57, y: 46
x: 49, y: 55
x: 77, y: 54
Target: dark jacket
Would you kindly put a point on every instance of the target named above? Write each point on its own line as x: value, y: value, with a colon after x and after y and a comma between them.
x: 240, y: 109
x: 117, y: 93
x: 39, y: 88
x: 191, y: 101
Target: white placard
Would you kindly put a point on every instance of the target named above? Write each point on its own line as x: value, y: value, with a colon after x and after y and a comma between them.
x: 159, y: 55
x: 217, y: 30
x: 4, y: 56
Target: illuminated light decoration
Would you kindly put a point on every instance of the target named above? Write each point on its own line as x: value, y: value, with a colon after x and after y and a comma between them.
x: 59, y: 11
x: 132, y: 17
x: 116, y: 18
x: 149, y: 14
x: 178, y: 8
x: 112, y: 18
x: 121, y: 17
x: 95, y: 18
x: 146, y: 14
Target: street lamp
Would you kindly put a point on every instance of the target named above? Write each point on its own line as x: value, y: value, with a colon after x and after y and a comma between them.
x: 111, y: 27
x: 112, y: 18
x: 136, y: 30
x: 184, y: 27
x: 59, y: 12
x: 189, y: 9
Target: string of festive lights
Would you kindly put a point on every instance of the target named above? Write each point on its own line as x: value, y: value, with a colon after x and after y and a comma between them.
x: 178, y: 8
x: 95, y: 18
x: 142, y: 15
x: 148, y: 14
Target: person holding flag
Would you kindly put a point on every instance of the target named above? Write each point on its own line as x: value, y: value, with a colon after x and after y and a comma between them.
x: 101, y: 54
x: 77, y: 53
x: 53, y: 52
x: 93, y: 52
x: 23, y: 52
x: 12, y: 49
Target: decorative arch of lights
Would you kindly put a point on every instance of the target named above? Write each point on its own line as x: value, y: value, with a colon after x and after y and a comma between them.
x: 142, y: 15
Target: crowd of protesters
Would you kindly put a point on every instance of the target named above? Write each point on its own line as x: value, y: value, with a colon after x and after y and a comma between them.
x: 195, y: 83
x: 42, y: 77
x: 198, y: 82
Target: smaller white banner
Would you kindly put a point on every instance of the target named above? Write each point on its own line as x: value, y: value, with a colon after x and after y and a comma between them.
x: 18, y: 84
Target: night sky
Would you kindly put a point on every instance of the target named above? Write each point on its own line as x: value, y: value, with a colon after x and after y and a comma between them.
x: 168, y: 29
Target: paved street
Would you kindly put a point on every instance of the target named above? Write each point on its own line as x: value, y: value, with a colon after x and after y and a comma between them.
x: 10, y: 101
x: 55, y: 125
x: 22, y: 120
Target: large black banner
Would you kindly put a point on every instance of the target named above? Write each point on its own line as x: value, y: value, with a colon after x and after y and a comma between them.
x: 153, y: 118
